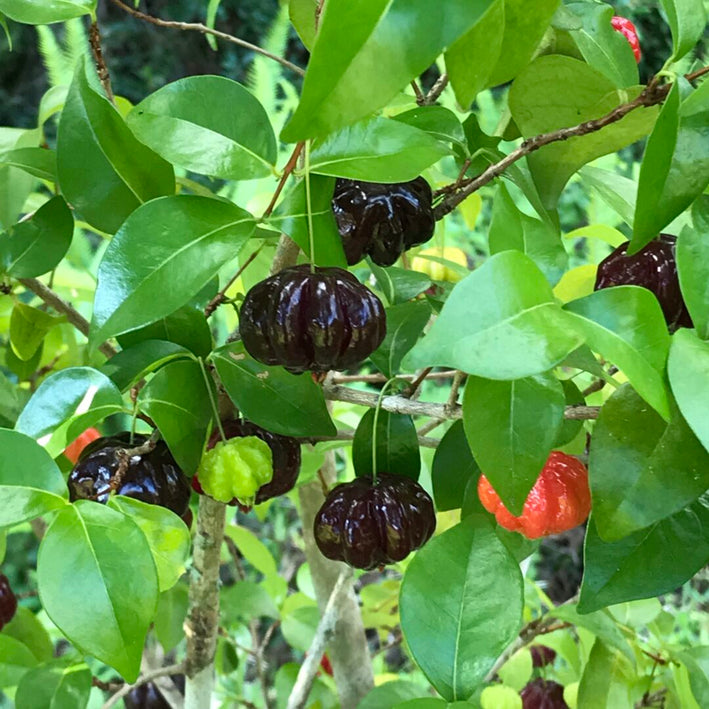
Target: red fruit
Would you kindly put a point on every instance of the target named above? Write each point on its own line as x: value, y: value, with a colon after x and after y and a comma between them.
x: 542, y: 655
x: 560, y: 499
x: 73, y: 450
x: 8, y: 602
x: 627, y: 29
x: 540, y: 694
x: 326, y: 666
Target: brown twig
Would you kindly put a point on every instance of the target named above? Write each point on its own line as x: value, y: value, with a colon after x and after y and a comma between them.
x: 420, y: 97
x: 436, y: 90
x: 287, y: 170
x: 455, y: 387
x: 381, y: 379
x: 106, y: 686
x: 101, y: 68
x: 203, y: 29
x: 598, y: 384
x: 424, y: 442
x: 318, y: 13
x: 414, y: 386
x: 220, y: 297
x: 146, y: 677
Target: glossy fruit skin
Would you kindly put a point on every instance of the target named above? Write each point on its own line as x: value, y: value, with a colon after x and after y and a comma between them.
x: 543, y: 694
x: 8, y: 602
x: 73, y: 450
x: 311, y: 321
x: 438, y: 271
x: 653, y: 267
x: 382, y: 220
x: 542, y: 655
x: 367, y: 524
x: 153, y: 477
x: 285, y: 452
x: 146, y: 696
x: 560, y: 499
x: 629, y: 31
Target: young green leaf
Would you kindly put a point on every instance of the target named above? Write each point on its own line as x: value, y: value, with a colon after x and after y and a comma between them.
x: 453, y: 469
x: 693, y: 266
x: 40, y: 162
x: 604, y: 682
x: 28, y: 328
x: 688, y: 19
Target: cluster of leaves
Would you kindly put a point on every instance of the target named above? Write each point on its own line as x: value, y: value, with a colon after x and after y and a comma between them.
x: 526, y: 329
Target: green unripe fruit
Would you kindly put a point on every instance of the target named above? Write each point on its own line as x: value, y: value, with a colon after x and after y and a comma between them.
x: 236, y: 468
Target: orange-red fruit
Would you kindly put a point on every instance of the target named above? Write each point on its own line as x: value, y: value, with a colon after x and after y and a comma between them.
x: 560, y: 499
x: 627, y: 29
x: 73, y: 450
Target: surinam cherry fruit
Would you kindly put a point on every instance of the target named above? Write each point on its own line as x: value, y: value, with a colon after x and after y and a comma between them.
x: 367, y: 523
x: 543, y: 694
x: 653, y: 267
x: 382, y: 220
x: 146, y: 696
x: 560, y: 499
x: 311, y: 320
x: 8, y: 602
x: 153, y: 477
x: 73, y: 450
x: 542, y: 655
x: 628, y: 30
x: 439, y: 271
x: 285, y: 452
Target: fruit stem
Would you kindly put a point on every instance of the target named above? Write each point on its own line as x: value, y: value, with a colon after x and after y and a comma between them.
x: 377, y: 409
x: 213, y: 403
x: 311, y: 235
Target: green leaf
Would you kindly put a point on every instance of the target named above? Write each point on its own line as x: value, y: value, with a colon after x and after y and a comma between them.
x: 397, y: 445
x: 525, y: 25
x: 400, y: 285
x: 367, y: 51
x: 604, y: 680
x: 208, y: 124
x: 54, y: 686
x: 515, y: 311
x: 696, y: 660
x: 405, y: 324
x: 437, y: 121
x: 167, y: 536
x: 377, y: 150
x: 453, y: 469
x: 178, y: 400
x: 101, y: 557
x: 569, y: 428
x: 252, y: 549
x: 626, y: 326
x: 190, y: 238
x: 646, y: 563
x: 32, y: 12
x: 461, y: 604
x: 693, y: 266
x: 642, y: 469
x: 15, y: 184
x: 291, y: 217
x: 512, y: 229
x: 471, y: 59
x: 302, y: 15
x: 284, y: 403
x: 688, y: 370
x: 618, y: 192
x: 78, y: 397
x: 588, y: 94
x: 38, y: 244
x: 601, y: 46
x: 675, y: 168
x: 172, y: 611
x: 688, y: 20
x: 130, y: 365
x: 27, y: 629
x: 186, y: 327
x: 30, y: 482
x: 390, y: 694
x: 15, y: 660
x: 28, y: 328
x: 104, y: 172
x: 511, y: 428
x: 246, y: 600
x: 39, y: 162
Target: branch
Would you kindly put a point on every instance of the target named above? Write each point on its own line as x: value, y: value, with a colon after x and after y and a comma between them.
x: 349, y: 436
x: 436, y: 90
x: 199, y: 27
x: 220, y: 297
x: 326, y: 628
x: 144, y: 679
x: 652, y: 95
x: 101, y: 68
x: 381, y: 379
x: 61, y: 306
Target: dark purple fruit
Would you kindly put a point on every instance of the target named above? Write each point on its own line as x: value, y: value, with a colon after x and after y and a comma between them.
x: 8, y: 602
x: 311, y: 321
x: 542, y: 694
x: 382, y: 221
x: 152, y: 477
x: 653, y: 267
x: 368, y: 523
x: 146, y: 696
x: 542, y: 655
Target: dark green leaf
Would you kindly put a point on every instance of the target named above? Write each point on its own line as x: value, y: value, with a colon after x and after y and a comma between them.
x: 515, y: 312
x: 400, y: 285
x: 461, y: 604
x: 693, y: 266
x: 38, y: 244
x: 93, y: 553
x: 28, y: 328
x: 103, y: 170
x: 366, y: 52
x: 626, y: 326
x: 569, y: 428
x: 162, y: 256
x: 32, y: 12
x: 438, y: 121
x: 511, y: 428
x: 397, y: 445
x: 688, y: 369
x: 642, y: 469
x: 23, y: 370
x: 405, y: 324
x: 284, y: 403
x: 454, y: 468
x: 688, y: 19
x: 40, y: 162
x: 66, y: 403
x: 178, y: 400
x: 54, y: 686
x: 208, y: 124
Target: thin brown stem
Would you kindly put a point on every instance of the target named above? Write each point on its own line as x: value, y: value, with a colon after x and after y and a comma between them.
x: 287, y: 170
x: 146, y: 677
x: 203, y: 29
x: 420, y: 97
x: 414, y: 386
x: 220, y: 297
x: 100, y: 62
x: 424, y: 442
x: 381, y: 379
x: 455, y: 387
x: 436, y: 90
x: 598, y: 384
